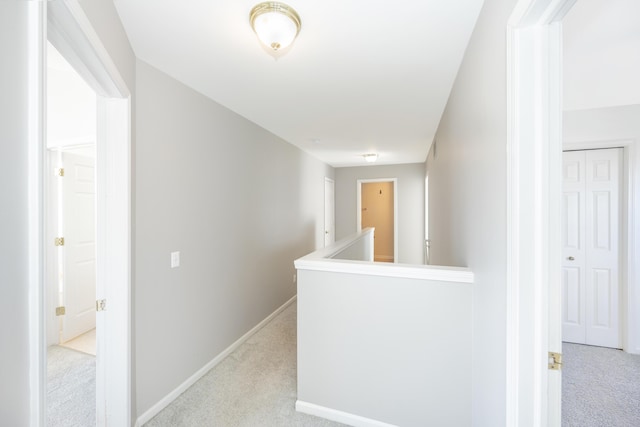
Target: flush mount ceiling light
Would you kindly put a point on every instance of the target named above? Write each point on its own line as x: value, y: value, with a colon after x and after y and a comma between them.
x: 276, y: 24
x: 370, y: 158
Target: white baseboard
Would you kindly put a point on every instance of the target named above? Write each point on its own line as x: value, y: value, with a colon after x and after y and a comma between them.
x: 338, y: 416
x: 165, y: 401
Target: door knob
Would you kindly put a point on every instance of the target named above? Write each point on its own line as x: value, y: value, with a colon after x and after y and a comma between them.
x: 570, y: 258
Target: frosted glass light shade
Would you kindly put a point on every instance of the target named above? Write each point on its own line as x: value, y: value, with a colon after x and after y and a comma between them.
x: 276, y: 24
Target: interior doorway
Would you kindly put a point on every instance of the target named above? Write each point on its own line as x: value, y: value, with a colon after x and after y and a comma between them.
x: 70, y: 252
x: 377, y: 207
x: 67, y: 27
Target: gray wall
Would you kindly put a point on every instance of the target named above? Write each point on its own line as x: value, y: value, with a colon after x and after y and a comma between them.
x: 14, y: 268
x: 410, y: 204
x: 239, y: 204
x: 467, y: 199
x: 601, y: 124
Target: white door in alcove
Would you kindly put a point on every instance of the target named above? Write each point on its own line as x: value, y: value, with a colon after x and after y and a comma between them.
x: 79, y: 231
x: 590, y: 239
x: 329, y: 212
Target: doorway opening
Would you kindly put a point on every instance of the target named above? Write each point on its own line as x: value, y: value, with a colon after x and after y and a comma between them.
x: 377, y: 208
x: 67, y: 28
x: 534, y: 147
x: 70, y: 283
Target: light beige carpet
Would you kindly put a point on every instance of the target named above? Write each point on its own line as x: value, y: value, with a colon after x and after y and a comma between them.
x: 600, y: 387
x: 254, y: 386
x: 71, y: 388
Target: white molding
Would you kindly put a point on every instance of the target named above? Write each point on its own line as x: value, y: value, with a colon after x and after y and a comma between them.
x: 405, y: 271
x: 36, y: 81
x: 598, y: 144
x: 338, y: 416
x: 74, y: 37
x: 173, y: 395
x: 113, y: 215
x: 321, y: 260
x: 534, y: 141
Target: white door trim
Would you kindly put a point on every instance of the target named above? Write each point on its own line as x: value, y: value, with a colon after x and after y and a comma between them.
x: 395, y: 209
x: 36, y: 54
x: 72, y: 34
x: 534, y: 159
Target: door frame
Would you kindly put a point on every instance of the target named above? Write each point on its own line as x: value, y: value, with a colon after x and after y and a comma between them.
x: 534, y: 159
x: 629, y: 238
x: 395, y: 209
x: 66, y: 26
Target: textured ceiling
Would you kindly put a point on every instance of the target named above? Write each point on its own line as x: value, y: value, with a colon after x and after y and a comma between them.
x: 362, y: 76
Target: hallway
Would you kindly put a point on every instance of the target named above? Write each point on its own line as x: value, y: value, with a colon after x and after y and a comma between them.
x: 254, y: 386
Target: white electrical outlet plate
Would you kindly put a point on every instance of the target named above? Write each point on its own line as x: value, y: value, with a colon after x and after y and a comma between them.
x: 175, y: 259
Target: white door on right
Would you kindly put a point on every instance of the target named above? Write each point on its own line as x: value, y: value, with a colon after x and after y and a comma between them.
x: 329, y: 212
x: 590, y: 238
x: 78, y: 213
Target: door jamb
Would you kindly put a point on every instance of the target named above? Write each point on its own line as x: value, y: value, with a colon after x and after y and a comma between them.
x: 534, y: 154
x: 395, y: 209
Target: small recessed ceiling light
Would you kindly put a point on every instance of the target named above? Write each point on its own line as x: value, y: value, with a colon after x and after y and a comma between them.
x: 371, y: 157
x: 316, y: 141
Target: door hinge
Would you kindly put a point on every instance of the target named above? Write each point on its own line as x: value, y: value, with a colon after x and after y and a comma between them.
x: 58, y: 241
x: 555, y: 361
x: 60, y: 172
x: 101, y: 305
x: 61, y: 311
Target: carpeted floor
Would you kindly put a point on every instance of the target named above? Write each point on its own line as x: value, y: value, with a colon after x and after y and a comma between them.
x: 600, y: 387
x: 254, y: 386
x: 71, y: 388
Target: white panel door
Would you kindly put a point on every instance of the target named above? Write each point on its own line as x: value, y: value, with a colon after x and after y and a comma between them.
x: 79, y: 276
x: 591, y: 209
x: 573, y: 247
x: 329, y: 212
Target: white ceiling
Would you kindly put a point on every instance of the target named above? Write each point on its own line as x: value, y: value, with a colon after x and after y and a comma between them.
x: 601, y: 54
x: 71, y: 104
x: 363, y: 75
